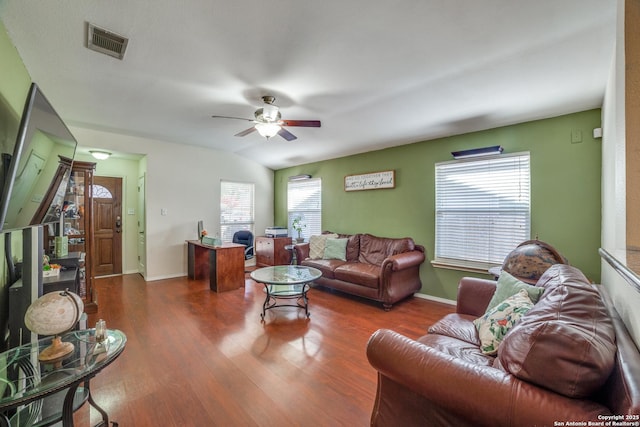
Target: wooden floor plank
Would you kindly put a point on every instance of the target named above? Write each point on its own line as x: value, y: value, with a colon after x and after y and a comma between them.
x: 199, y: 358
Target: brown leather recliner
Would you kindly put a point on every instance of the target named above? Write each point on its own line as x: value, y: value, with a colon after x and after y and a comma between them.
x: 569, y: 359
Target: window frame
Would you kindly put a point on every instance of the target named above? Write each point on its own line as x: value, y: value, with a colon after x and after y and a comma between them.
x: 515, y: 212
x: 311, y: 215
x: 226, y: 235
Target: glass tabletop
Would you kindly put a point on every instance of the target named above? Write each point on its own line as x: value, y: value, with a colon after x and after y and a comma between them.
x: 24, y: 378
x: 286, y: 274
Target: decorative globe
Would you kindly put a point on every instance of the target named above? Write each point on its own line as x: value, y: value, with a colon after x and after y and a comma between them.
x: 530, y: 259
x: 53, y: 314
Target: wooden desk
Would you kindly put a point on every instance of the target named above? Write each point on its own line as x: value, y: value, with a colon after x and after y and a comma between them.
x: 224, y: 264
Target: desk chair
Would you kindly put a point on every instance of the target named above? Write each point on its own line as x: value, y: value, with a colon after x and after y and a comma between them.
x: 244, y: 237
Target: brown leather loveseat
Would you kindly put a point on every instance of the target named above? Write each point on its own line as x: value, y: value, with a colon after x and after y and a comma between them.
x: 378, y: 268
x: 568, y: 361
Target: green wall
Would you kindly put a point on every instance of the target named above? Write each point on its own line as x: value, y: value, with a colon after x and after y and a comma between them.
x: 14, y: 86
x: 565, y: 191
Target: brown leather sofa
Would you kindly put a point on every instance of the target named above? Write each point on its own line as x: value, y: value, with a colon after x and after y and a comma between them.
x: 568, y: 361
x: 378, y: 268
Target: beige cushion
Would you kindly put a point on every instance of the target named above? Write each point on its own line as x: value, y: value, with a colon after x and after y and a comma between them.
x: 317, y: 245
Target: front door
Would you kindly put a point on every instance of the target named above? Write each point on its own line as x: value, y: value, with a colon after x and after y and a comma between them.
x: 107, y: 225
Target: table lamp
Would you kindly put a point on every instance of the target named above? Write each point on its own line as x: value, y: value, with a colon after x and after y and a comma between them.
x: 53, y: 314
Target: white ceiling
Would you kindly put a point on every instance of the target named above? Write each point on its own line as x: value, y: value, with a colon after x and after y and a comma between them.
x: 377, y: 74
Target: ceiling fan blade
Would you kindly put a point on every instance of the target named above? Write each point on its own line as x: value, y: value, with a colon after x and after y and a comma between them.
x: 229, y: 117
x: 286, y: 134
x: 303, y: 123
x: 246, y: 131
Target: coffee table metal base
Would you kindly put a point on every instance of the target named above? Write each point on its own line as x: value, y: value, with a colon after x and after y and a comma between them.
x: 296, y: 292
x: 286, y: 282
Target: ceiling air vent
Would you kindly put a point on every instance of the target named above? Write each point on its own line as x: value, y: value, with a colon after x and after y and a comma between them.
x: 106, y: 42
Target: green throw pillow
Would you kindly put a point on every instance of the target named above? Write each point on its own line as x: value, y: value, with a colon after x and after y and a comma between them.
x: 335, y: 249
x: 494, y: 325
x: 508, y: 286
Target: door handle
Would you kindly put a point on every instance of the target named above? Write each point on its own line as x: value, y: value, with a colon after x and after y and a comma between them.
x: 118, y: 224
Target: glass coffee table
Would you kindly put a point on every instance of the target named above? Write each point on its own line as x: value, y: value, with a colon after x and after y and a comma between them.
x: 286, y: 282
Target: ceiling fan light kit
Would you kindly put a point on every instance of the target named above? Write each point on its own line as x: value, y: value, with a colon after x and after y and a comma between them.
x: 268, y: 129
x: 268, y: 121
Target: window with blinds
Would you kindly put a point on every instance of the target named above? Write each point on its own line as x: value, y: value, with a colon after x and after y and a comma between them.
x: 236, y: 208
x: 482, y: 210
x: 304, y: 200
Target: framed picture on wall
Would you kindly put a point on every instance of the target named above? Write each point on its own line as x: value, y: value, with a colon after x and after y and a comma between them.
x: 370, y: 181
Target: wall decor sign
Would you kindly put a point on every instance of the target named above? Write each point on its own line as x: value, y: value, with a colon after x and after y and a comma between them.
x: 370, y: 181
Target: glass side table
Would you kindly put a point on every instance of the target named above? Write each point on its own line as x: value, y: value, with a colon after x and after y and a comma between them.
x: 33, y: 393
x: 292, y: 248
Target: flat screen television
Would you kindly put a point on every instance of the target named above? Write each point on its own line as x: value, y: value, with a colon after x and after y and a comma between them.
x: 37, y: 168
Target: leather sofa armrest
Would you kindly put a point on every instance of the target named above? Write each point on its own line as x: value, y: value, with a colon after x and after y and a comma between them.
x: 454, y: 385
x: 404, y: 260
x: 448, y: 382
x: 474, y: 295
x: 302, y: 251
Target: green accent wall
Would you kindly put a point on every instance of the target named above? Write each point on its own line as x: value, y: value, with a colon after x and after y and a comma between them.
x: 14, y: 86
x: 565, y: 191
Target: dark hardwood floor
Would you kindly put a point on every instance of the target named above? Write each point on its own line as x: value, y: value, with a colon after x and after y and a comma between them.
x: 197, y: 358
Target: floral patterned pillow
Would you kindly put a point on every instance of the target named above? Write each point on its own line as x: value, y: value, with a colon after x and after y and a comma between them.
x: 494, y: 325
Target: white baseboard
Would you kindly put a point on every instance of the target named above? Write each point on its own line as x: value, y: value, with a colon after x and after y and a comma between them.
x: 120, y: 274
x: 419, y: 295
x: 168, y: 276
x: 436, y: 299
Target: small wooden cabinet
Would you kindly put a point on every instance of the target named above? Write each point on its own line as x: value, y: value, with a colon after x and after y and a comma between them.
x: 271, y: 251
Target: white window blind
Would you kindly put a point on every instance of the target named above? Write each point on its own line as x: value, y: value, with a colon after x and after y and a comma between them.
x: 236, y: 208
x: 304, y: 200
x: 482, y: 209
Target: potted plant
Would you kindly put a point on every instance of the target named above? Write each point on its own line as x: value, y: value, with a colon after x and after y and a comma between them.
x: 298, y: 224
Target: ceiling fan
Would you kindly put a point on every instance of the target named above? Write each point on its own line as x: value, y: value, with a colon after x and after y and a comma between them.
x: 268, y: 121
